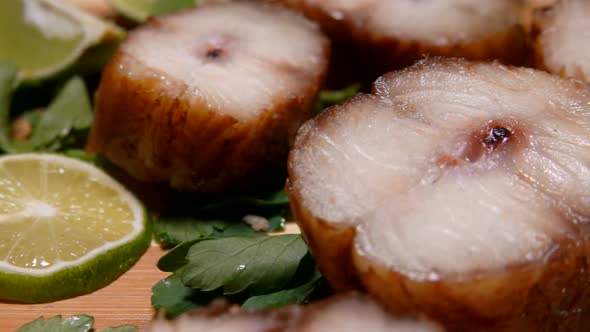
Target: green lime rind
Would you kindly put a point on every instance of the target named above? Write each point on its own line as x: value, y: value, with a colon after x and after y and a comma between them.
x: 140, y: 10
x: 46, y: 38
x: 82, y: 279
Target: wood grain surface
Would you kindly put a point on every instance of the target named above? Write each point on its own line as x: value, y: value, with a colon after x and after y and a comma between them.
x: 125, y: 301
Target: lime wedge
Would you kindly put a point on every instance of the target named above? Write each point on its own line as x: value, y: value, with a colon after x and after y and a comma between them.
x: 46, y: 37
x: 66, y: 228
x: 139, y: 10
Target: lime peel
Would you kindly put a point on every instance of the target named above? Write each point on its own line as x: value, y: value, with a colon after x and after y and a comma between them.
x: 92, y: 270
x: 48, y: 22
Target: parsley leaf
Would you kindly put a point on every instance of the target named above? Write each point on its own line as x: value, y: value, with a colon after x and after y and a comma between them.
x: 276, y: 223
x: 260, y: 272
x: 329, y: 98
x: 64, y: 123
x: 77, y: 323
x: 173, y: 296
x: 175, y: 258
x: 217, y: 254
x: 171, y: 231
x: 222, y: 219
x: 297, y: 295
x: 259, y: 264
x: 68, y: 113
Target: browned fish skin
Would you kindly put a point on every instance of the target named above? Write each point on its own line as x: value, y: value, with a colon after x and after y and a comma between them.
x: 151, y: 124
x: 547, y: 293
x: 381, y: 48
x: 560, y: 34
x: 348, y: 312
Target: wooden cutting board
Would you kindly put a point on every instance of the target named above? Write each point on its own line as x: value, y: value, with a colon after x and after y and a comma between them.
x: 125, y: 301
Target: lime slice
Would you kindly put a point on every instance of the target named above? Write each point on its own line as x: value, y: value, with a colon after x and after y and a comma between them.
x: 66, y: 228
x: 46, y: 37
x: 140, y: 10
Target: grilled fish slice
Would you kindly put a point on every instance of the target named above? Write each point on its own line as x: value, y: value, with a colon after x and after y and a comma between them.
x: 208, y: 99
x: 457, y: 189
x: 562, y: 38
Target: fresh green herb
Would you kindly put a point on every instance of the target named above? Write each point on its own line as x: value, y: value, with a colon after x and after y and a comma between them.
x: 328, y: 98
x: 276, y: 223
x: 172, y: 231
x: 175, y: 298
x: 183, y: 233
x: 260, y: 272
x: 175, y: 258
x: 69, y: 113
x: 260, y: 264
x: 223, y: 219
x: 217, y: 254
x: 76, y: 323
x: 298, y: 295
x: 63, y: 124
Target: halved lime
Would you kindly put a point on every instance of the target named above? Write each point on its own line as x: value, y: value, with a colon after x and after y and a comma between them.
x: 66, y: 228
x: 140, y: 10
x: 46, y: 37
